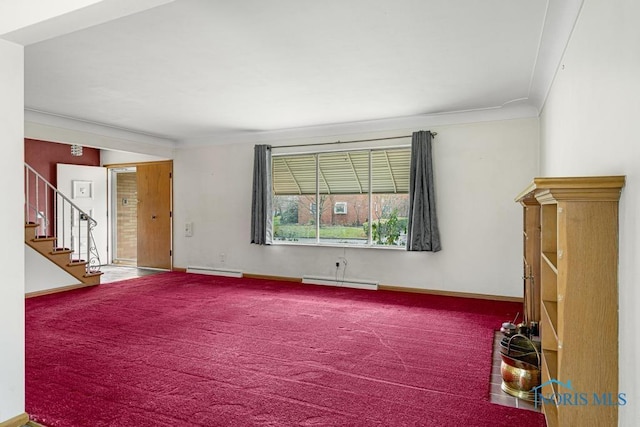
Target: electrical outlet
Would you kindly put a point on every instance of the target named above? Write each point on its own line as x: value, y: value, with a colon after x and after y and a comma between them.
x: 222, y: 257
x: 188, y: 229
x: 337, y: 264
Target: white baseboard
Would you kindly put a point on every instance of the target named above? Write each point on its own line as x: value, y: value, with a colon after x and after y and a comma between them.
x: 346, y: 283
x: 215, y: 271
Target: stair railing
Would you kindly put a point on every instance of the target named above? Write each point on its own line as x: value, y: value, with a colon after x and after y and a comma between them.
x: 71, y: 227
x: 39, y: 219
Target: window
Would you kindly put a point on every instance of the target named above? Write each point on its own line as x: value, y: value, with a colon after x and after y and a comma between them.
x: 357, y: 197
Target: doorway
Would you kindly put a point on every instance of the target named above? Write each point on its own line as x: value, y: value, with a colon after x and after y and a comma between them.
x: 125, y: 215
x: 141, y: 221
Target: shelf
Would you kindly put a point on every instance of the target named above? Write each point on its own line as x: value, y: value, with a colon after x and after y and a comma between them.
x: 551, y: 258
x: 549, y: 333
x: 551, y: 307
x: 550, y: 362
x: 578, y: 293
x: 549, y: 283
x: 549, y: 229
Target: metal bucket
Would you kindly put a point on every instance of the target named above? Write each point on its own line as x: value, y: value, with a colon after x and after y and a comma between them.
x: 519, y: 376
x: 520, y: 348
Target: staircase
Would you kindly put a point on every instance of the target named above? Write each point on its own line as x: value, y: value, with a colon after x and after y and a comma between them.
x: 59, y: 230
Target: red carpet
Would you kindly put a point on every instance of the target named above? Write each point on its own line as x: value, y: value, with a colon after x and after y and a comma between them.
x: 179, y: 349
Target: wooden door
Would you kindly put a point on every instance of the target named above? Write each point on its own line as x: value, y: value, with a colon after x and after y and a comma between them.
x: 154, y: 214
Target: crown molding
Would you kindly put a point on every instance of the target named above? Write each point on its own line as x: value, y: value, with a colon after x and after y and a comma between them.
x: 560, y: 20
x: 54, y: 128
x: 41, y: 125
x: 26, y: 24
x: 513, y: 110
x: 50, y: 119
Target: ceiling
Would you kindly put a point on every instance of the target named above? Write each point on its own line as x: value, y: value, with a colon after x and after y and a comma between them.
x: 200, y: 68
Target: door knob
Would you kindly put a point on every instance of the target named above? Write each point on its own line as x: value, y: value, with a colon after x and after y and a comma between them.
x: 153, y: 217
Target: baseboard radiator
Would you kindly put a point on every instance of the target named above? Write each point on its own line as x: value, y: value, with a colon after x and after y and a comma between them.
x: 344, y: 283
x: 227, y: 272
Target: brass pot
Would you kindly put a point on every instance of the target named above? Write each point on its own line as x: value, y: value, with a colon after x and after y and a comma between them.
x: 520, y: 348
x: 519, y: 377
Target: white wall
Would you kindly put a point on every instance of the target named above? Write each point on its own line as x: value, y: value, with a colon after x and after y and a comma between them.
x: 479, y: 169
x: 588, y: 127
x: 111, y: 157
x: 12, y: 226
x: 41, y: 274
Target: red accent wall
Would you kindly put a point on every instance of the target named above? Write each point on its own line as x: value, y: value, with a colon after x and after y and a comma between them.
x: 43, y: 156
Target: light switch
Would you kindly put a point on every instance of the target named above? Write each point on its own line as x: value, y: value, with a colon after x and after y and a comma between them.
x: 188, y: 229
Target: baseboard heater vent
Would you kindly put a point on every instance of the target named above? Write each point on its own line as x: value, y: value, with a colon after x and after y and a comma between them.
x: 227, y: 272
x: 346, y: 283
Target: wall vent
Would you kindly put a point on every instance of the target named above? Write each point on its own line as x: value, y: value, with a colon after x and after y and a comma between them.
x: 227, y: 272
x: 346, y: 283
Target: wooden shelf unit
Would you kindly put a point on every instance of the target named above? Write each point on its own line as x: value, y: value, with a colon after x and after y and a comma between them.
x: 531, y: 257
x: 578, y: 294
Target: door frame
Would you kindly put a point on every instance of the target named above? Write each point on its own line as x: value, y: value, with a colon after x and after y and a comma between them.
x: 112, y: 202
x: 111, y: 212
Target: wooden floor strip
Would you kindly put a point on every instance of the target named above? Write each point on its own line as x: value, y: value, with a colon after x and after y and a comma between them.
x: 16, y: 421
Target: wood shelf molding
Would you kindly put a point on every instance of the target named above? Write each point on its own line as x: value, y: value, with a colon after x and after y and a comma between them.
x: 541, y: 185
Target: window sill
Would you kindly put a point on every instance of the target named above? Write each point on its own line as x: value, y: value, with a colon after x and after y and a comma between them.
x: 333, y: 245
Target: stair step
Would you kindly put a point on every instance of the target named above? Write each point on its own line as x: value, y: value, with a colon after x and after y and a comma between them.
x: 61, y: 251
x: 94, y: 273
x: 92, y: 279
x: 36, y: 236
x: 43, y: 246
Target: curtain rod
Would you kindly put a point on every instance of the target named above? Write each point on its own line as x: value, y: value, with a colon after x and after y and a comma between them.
x: 347, y: 142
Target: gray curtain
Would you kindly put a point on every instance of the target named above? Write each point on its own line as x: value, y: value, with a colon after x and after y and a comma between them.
x: 261, y: 218
x: 422, y: 225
